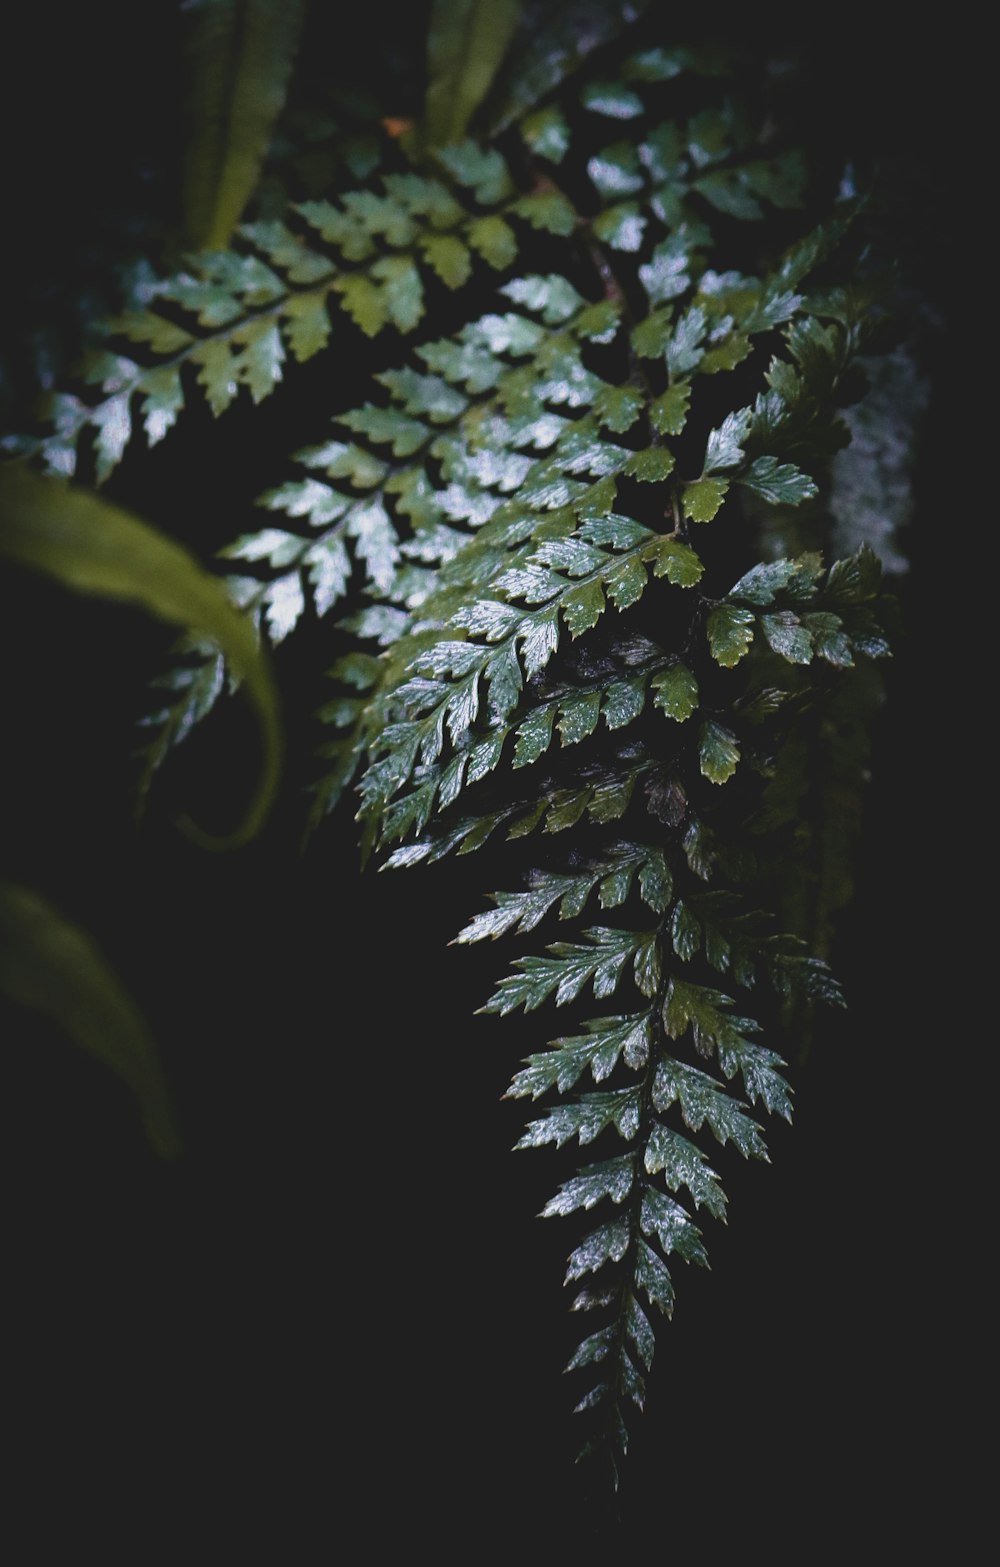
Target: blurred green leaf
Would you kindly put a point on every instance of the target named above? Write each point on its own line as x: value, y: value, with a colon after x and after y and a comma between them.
x: 465, y: 45
x: 621, y: 226
x: 612, y: 99
x: 94, y: 547
x: 242, y: 60
x: 547, y: 134
x: 555, y: 39
x: 52, y: 966
x: 494, y: 239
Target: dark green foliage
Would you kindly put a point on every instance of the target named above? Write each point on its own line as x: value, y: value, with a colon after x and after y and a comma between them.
x: 572, y: 542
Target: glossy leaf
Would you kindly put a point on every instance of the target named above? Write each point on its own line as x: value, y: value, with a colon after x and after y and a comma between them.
x: 685, y: 349
x: 676, y: 692
x: 785, y: 633
x: 667, y: 273
x: 684, y: 1165
x: 623, y: 702
x: 665, y: 1221
x: 609, y: 1243
x: 702, y: 1103
x: 609, y: 1041
x: 762, y: 583
x: 613, y: 1178
x: 553, y: 49
x: 723, y: 449
x: 551, y: 297
x: 730, y: 633
x: 782, y: 484
x: 585, y: 1119
x: 685, y: 932
x: 668, y: 413
x: 653, y: 1279
x: 675, y: 561
x: 828, y: 638
x: 640, y: 1332
x: 593, y: 1349
x: 701, y: 500
x: 565, y: 974
x: 718, y: 751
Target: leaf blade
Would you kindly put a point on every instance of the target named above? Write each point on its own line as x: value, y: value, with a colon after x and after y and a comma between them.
x: 52, y: 966
x: 94, y: 547
x: 466, y: 42
x: 242, y: 63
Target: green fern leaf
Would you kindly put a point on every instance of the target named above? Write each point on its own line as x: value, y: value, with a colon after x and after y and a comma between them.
x: 526, y: 516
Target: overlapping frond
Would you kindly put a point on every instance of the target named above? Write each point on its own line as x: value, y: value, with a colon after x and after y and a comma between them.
x: 578, y: 546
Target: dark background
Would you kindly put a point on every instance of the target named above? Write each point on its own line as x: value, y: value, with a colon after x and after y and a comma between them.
x: 337, y: 1309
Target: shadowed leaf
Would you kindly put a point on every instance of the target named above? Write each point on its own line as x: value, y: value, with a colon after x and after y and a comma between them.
x: 243, y: 55
x: 50, y: 965
x: 94, y: 547
x: 467, y: 41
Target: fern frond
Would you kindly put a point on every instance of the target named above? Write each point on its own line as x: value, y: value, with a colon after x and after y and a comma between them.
x: 470, y: 418
x: 572, y: 570
x: 230, y: 318
x: 558, y: 531
x: 630, y: 1252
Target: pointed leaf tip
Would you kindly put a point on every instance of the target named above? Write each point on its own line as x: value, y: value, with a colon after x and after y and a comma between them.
x: 94, y: 547
x: 52, y: 966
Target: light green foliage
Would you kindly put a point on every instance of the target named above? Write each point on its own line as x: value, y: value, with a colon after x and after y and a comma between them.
x: 701, y: 500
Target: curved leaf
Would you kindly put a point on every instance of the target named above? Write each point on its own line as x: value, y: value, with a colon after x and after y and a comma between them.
x: 467, y: 41
x: 92, y: 546
x: 54, y: 967
x: 243, y: 52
